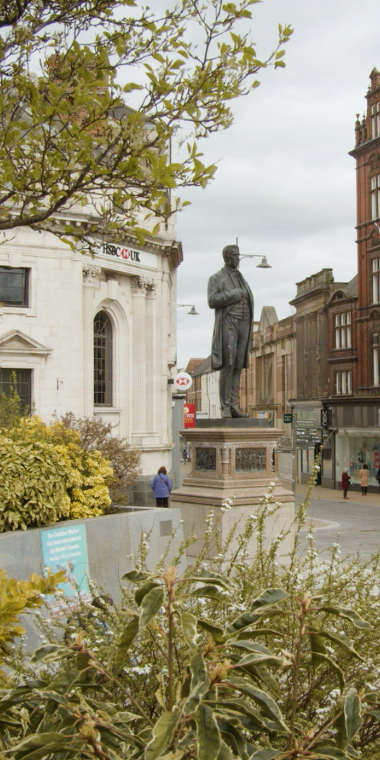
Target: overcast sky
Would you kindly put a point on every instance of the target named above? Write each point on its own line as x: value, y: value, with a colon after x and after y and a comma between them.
x: 285, y: 185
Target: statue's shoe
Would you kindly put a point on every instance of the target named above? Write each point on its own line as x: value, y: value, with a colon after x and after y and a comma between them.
x: 236, y: 412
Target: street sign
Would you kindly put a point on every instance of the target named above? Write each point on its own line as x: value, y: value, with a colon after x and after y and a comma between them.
x: 183, y: 381
x: 288, y: 417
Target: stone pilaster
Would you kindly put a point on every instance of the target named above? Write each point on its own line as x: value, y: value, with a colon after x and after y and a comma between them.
x: 152, y: 368
x: 91, y: 273
x: 141, y: 286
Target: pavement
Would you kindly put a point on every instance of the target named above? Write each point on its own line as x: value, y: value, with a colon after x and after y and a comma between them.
x: 354, y: 523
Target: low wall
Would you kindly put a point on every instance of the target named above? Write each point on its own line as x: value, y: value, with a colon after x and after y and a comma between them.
x: 111, y: 540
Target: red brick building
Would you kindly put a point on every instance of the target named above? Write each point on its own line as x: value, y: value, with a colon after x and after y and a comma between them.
x: 355, y: 371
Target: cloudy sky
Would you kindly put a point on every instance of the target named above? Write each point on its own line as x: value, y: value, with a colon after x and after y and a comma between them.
x: 285, y: 186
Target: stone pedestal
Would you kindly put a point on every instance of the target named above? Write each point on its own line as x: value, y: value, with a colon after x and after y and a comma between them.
x: 232, y: 459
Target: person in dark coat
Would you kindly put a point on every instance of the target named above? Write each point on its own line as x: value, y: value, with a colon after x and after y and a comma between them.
x: 346, y: 480
x: 161, y: 486
x: 378, y: 478
x: 231, y: 297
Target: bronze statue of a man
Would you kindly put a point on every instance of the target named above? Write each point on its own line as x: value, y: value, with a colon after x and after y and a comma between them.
x: 231, y: 297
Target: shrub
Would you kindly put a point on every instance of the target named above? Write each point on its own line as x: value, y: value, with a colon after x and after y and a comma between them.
x: 15, y: 598
x: 97, y: 435
x: 233, y: 660
x: 61, y: 479
x: 34, y: 482
x: 220, y: 686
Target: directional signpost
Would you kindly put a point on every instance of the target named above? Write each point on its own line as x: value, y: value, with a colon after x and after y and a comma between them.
x: 307, y: 434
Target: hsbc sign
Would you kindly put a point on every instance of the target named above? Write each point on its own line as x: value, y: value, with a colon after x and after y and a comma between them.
x: 126, y: 255
x: 121, y: 253
x: 183, y: 381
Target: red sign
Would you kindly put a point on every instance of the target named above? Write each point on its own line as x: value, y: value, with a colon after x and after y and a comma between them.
x: 189, y: 415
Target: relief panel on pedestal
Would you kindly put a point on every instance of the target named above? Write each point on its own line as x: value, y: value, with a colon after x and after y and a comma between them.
x: 205, y: 459
x: 250, y: 460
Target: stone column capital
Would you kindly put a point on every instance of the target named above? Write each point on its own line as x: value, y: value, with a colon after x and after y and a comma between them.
x: 91, y: 273
x: 142, y: 285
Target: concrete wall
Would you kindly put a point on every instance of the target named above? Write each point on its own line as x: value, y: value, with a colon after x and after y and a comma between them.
x: 111, y: 540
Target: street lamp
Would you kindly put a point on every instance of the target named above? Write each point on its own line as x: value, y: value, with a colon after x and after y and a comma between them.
x: 264, y: 262
x: 193, y: 312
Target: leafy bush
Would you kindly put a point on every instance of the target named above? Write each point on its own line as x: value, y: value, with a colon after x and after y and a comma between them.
x: 15, y: 598
x: 97, y: 435
x: 210, y: 665
x: 221, y: 699
x: 239, y: 673
x: 46, y: 476
x: 34, y: 482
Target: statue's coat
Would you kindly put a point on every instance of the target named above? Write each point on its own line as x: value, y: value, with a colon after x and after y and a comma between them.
x: 221, y: 299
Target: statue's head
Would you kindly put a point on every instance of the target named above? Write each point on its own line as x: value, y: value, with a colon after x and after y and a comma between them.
x: 231, y: 255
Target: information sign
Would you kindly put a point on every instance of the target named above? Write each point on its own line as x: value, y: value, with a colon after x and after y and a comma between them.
x: 65, y: 548
x: 288, y: 418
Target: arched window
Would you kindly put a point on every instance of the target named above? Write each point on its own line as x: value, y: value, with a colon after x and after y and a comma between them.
x: 102, y: 360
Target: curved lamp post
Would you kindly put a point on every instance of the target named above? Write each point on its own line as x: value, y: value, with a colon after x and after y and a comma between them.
x: 193, y: 312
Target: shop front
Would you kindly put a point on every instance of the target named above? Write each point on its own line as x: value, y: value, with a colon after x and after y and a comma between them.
x: 354, y: 448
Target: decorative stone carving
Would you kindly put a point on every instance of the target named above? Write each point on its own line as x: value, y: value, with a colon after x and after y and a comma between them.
x: 90, y: 273
x: 250, y: 460
x: 374, y: 161
x: 141, y: 283
x: 225, y: 459
x: 205, y: 459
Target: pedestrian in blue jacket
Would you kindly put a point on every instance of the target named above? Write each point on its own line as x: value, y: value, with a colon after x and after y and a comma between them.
x: 161, y: 487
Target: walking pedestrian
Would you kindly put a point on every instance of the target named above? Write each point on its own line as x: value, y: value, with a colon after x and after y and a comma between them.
x: 345, y: 482
x: 378, y: 478
x: 364, y: 475
x: 161, y: 486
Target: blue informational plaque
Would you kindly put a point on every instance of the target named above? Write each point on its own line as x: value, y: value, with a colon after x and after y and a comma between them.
x: 65, y: 548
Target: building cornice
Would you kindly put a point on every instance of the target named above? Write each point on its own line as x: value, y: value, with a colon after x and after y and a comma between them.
x: 362, y: 149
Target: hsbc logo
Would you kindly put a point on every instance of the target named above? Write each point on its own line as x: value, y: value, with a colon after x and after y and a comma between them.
x: 183, y: 381
x: 121, y: 253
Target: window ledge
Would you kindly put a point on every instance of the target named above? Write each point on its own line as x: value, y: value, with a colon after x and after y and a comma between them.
x: 18, y: 310
x: 108, y: 409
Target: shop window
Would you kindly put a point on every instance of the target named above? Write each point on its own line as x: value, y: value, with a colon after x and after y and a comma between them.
x: 19, y: 380
x: 342, y: 330
x: 102, y: 360
x: 375, y: 196
x: 375, y: 121
x: 14, y: 286
x: 343, y: 383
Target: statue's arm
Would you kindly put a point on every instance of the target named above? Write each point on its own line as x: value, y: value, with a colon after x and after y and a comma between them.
x: 217, y: 298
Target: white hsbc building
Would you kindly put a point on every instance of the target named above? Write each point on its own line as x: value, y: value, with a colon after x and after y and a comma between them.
x: 94, y: 335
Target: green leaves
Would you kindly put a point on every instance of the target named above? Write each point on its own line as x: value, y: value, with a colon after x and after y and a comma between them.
x: 70, y: 133
x: 128, y: 635
x: 262, y: 699
x: 345, y: 612
x: 163, y: 732
x: 208, y: 735
x: 150, y: 605
x: 352, y: 714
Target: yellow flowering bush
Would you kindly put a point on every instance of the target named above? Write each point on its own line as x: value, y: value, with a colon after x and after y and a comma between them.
x: 34, y: 483
x: 68, y: 481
